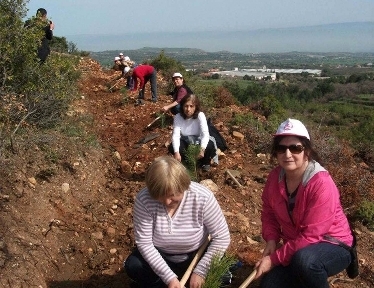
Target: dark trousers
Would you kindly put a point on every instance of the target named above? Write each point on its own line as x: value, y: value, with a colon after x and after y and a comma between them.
x: 309, y: 268
x: 209, y: 154
x: 140, y: 271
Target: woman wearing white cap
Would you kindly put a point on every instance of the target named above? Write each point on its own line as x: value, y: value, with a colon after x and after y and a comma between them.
x: 178, y: 93
x: 306, y: 231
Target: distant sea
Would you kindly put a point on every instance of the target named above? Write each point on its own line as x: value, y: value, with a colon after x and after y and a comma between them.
x: 341, y: 37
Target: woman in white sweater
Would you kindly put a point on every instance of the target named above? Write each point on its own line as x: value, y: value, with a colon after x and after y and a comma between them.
x: 190, y: 127
x: 172, y: 219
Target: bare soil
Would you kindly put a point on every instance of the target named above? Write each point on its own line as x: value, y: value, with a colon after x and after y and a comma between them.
x: 66, y: 207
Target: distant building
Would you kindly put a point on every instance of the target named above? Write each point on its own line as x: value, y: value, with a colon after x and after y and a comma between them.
x: 264, y: 73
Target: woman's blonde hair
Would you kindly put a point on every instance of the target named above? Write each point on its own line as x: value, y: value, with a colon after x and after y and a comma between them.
x: 166, y: 176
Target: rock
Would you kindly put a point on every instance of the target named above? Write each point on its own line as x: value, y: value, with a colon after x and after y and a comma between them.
x: 65, y: 187
x: 32, y: 181
x: 110, y: 231
x: 117, y: 155
x: 238, y: 135
x: 210, y: 185
x: 97, y: 235
x: 126, y: 169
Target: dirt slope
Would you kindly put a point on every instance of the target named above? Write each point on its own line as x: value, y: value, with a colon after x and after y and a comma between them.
x: 66, y: 219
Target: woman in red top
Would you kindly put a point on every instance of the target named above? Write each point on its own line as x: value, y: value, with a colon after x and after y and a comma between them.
x: 141, y: 75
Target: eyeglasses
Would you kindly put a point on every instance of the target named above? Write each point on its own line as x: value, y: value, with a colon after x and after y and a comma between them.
x: 294, y: 149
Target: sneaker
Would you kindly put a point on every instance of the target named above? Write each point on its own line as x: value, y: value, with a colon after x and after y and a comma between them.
x: 205, y: 168
x: 139, y: 102
x: 154, y: 100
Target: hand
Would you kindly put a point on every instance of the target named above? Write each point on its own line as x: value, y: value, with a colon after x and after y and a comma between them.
x: 201, y: 153
x: 196, y: 281
x: 270, y: 248
x: 174, y: 283
x: 178, y: 156
x: 165, y: 108
x: 263, y: 266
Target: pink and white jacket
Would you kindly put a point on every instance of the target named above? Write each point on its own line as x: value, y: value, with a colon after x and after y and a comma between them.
x: 317, y: 212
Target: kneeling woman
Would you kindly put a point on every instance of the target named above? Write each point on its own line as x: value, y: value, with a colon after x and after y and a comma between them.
x: 303, y: 222
x: 191, y: 127
x: 172, y: 219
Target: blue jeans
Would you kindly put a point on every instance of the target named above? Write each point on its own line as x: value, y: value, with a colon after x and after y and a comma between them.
x: 153, y: 79
x: 309, y: 267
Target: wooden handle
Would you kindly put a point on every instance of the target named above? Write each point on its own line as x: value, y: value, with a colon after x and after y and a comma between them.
x: 194, y: 261
x: 150, y: 124
x: 248, y: 280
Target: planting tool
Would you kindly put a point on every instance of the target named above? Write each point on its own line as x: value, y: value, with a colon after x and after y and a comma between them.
x: 155, y: 120
x: 248, y: 280
x: 194, y: 261
x: 110, y: 89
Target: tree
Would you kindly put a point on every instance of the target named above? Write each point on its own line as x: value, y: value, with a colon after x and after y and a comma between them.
x: 59, y: 44
x: 167, y: 65
x: 18, y: 45
x: 215, y: 76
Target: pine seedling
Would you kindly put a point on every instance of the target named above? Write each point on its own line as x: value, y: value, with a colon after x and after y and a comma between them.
x: 191, y: 160
x: 219, y: 266
x: 162, y: 119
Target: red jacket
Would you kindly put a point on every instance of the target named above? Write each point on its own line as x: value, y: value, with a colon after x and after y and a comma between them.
x: 141, y: 72
x: 317, y: 212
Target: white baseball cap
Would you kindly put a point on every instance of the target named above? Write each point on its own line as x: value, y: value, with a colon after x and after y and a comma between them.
x: 121, y: 54
x: 117, y: 58
x: 292, y: 127
x: 127, y: 69
x: 177, y: 74
x: 127, y: 58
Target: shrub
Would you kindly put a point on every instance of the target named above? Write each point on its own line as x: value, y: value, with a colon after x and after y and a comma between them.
x: 365, y: 213
x: 223, y: 97
x: 167, y: 65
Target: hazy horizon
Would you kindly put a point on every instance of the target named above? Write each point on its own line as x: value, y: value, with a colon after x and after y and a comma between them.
x: 339, y: 37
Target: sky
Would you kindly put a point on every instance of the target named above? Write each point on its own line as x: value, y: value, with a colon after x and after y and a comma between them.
x: 115, y: 17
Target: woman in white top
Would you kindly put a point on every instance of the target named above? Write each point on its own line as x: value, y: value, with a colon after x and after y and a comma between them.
x: 191, y: 127
x: 172, y: 219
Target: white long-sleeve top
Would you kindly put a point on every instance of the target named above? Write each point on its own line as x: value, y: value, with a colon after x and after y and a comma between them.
x: 197, y: 216
x: 187, y: 127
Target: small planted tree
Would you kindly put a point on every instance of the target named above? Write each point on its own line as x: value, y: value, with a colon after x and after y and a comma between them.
x: 192, y: 152
x: 219, y: 267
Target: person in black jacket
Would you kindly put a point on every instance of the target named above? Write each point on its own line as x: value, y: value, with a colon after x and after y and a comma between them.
x: 178, y: 94
x: 47, y: 26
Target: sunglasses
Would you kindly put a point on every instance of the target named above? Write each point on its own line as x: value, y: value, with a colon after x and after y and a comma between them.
x: 294, y: 149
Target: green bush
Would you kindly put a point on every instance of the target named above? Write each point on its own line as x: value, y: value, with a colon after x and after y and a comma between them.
x: 365, y: 213
x: 167, y: 65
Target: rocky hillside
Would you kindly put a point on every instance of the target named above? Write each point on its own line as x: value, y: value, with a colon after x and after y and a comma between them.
x: 66, y: 198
